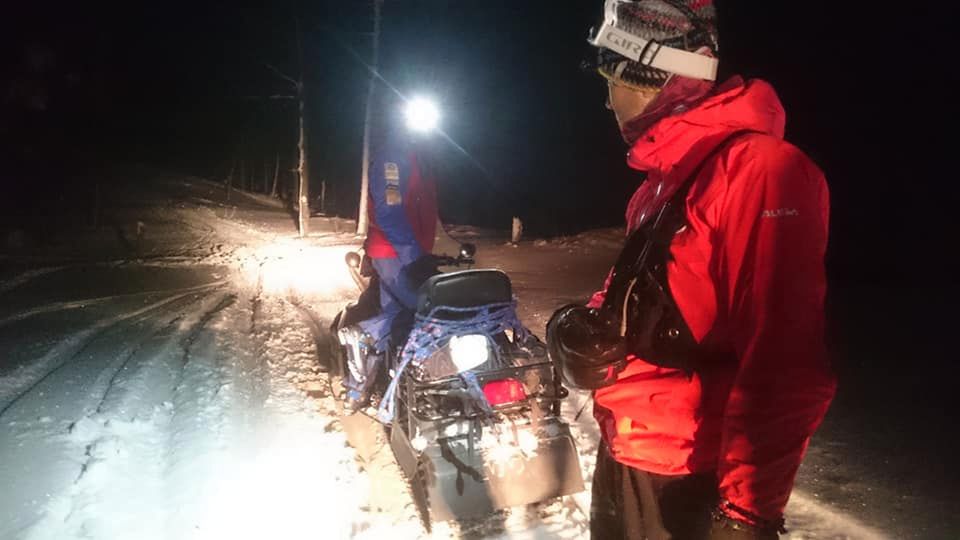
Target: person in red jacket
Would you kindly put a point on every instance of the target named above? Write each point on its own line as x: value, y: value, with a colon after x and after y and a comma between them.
x: 403, y: 223
x: 705, y: 349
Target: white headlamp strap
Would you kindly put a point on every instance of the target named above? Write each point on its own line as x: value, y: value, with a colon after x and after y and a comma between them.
x: 655, y: 55
x: 610, y: 11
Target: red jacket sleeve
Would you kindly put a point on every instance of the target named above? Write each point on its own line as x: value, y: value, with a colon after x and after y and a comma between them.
x: 598, y: 297
x: 772, y: 236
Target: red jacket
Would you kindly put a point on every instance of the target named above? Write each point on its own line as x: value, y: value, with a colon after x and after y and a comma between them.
x: 402, y: 206
x: 747, y: 273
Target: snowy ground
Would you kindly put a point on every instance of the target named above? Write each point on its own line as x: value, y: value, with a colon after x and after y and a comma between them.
x: 164, y: 382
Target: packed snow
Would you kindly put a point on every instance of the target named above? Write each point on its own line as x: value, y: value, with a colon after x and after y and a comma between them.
x: 164, y: 382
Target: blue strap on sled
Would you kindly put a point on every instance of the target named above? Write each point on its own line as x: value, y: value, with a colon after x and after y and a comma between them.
x: 430, y: 333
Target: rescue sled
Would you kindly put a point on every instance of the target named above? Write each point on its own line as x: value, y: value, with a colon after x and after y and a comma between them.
x: 471, y: 401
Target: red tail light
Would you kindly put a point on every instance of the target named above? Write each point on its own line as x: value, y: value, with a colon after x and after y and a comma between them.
x: 504, y: 391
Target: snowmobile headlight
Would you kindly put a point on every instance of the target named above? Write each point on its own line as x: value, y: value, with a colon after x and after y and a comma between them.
x: 468, y: 352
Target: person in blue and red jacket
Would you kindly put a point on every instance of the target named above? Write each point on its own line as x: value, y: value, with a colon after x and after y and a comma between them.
x: 705, y: 349
x: 402, y: 211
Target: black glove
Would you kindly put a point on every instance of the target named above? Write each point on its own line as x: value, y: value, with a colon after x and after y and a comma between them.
x: 586, y: 349
x: 420, y: 270
x: 581, y: 329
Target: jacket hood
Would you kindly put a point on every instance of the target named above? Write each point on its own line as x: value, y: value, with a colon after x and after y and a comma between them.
x: 672, y: 148
x: 678, y: 143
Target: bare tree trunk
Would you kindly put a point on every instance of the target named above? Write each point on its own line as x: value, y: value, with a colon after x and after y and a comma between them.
x: 303, y: 207
x: 362, y: 222
x: 243, y: 174
x: 303, y: 202
x: 276, y: 176
x: 229, y: 182
x: 266, y: 176
x: 323, y: 197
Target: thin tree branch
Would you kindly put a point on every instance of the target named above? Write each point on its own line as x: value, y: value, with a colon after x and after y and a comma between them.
x: 275, y: 96
x: 282, y: 75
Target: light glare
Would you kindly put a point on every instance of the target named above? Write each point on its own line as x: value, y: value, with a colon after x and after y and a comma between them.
x: 293, y: 267
x: 422, y: 115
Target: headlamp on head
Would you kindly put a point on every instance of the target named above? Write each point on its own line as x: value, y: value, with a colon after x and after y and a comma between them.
x: 651, y: 42
x: 422, y: 115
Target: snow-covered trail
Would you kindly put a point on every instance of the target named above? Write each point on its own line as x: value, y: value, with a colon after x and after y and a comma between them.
x: 149, y: 390
x: 31, y: 379
x: 45, y: 419
x: 178, y: 394
x: 182, y: 418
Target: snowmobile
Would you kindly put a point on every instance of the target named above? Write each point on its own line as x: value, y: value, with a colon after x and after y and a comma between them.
x: 470, y: 399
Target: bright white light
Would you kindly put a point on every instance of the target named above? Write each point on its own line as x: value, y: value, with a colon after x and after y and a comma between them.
x: 293, y: 267
x: 468, y: 352
x: 422, y: 115
x: 508, y: 451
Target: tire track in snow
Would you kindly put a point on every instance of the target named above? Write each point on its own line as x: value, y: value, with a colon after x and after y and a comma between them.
x: 260, y: 458
x: 240, y: 436
x: 322, y: 338
x: 123, y: 441
x: 207, y: 316
x: 89, y: 302
x: 25, y: 277
x: 41, y: 459
x: 20, y: 383
x: 198, y: 458
x: 311, y: 421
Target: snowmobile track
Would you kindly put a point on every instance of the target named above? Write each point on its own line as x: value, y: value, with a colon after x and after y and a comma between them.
x: 191, y: 336
x: 76, y: 344
x: 322, y: 339
x: 131, y: 355
x: 88, y: 302
x: 25, y: 277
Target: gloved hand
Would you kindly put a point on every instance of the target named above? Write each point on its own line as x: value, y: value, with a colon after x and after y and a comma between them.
x: 419, y: 271
x: 581, y: 328
x: 587, y: 350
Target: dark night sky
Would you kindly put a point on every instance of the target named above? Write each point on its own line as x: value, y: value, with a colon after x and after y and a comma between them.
x: 170, y: 84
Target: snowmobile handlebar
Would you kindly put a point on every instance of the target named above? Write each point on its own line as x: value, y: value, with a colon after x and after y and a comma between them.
x: 459, y: 260
x: 361, y: 268
x: 465, y: 257
x: 467, y: 251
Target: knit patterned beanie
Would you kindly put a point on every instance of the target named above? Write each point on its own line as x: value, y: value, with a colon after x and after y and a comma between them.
x: 688, y: 25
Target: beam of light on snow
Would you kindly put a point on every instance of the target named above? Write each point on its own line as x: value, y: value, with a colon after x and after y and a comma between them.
x: 293, y: 267
x: 285, y: 487
x: 422, y: 115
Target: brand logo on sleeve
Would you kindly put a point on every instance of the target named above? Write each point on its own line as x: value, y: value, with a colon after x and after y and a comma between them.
x: 392, y: 173
x: 781, y: 213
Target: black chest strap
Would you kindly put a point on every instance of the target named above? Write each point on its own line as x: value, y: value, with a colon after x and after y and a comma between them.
x: 639, y: 305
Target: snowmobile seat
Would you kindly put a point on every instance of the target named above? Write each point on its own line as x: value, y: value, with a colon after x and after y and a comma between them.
x: 468, y: 288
